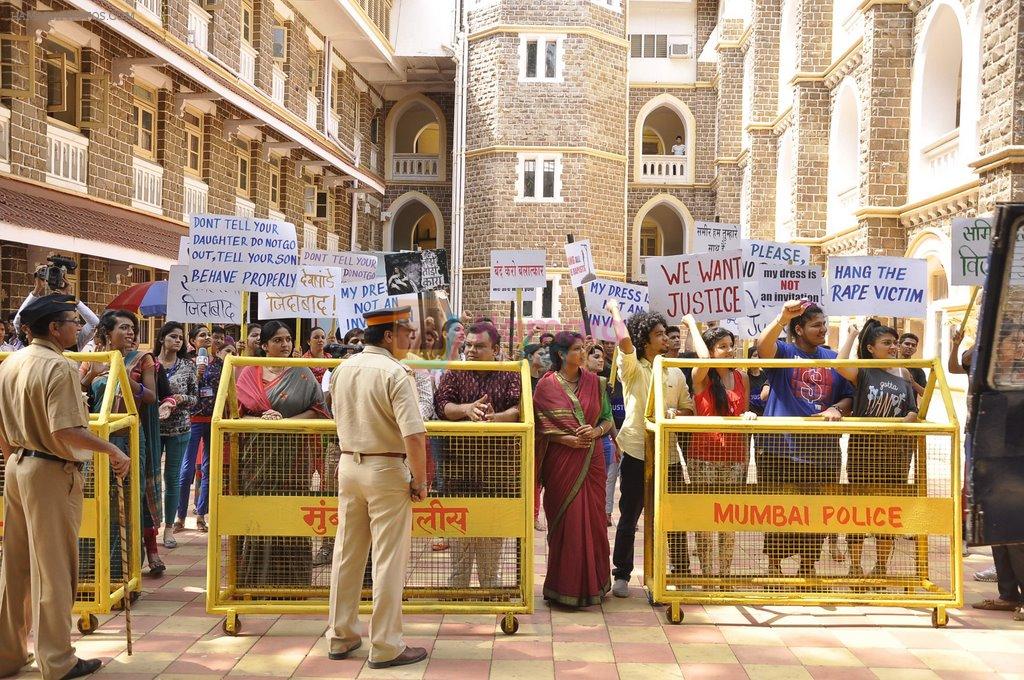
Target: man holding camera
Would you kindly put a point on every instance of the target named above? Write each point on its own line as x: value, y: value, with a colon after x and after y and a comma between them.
x: 53, y: 278
x: 45, y: 439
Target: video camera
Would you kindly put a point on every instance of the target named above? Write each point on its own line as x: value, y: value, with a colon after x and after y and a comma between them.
x: 55, y: 272
x: 337, y: 350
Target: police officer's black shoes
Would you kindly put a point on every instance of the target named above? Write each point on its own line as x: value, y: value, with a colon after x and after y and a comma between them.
x: 410, y: 655
x: 83, y: 667
x: 338, y: 656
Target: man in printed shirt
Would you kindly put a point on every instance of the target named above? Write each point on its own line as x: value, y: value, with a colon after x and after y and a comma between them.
x: 477, y: 467
x: 639, y: 343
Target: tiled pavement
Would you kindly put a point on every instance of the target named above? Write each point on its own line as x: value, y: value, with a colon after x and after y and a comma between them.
x: 174, y: 637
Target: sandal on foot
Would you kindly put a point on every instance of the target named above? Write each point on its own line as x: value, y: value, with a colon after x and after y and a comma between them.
x: 201, y: 525
x: 168, y: 539
x: 439, y: 546
x: 179, y: 525
x: 156, y: 565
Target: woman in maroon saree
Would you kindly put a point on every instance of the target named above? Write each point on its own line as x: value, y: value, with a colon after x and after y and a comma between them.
x: 573, y: 413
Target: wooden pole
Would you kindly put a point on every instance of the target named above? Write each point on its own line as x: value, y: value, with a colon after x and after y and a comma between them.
x: 569, y: 238
x: 970, y: 306
x: 512, y: 327
x: 125, y: 562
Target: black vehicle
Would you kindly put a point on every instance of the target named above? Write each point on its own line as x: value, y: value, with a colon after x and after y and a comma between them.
x: 996, y: 505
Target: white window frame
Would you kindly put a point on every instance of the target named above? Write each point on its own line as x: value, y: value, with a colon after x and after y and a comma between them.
x: 538, y: 185
x: 309, y: 236
x: 542, y: 40
x: 537, y: 310
x: 610, y: 5
x: 654, y: 38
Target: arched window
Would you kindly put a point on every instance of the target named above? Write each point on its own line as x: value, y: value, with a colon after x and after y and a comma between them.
x: 416, y: 140
x: 663, y: 142
x: 662, y: 226
x: 936, y: 108
x: 787, y: 53
x: 415, y: 223
x: 784, y: 227
x: 844, y: 158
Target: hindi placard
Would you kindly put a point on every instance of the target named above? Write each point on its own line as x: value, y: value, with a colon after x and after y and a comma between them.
x: 715, y: 237
x: 186, y: 304
x: 313, y: 297
x: 516, y: 269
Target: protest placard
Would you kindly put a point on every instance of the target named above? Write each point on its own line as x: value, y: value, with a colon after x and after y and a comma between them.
x: 778, y: 283
x: 313, y: 296
x: 517, y: 269
x: 353, y: 266
x: 433, y: 269
x: 411, y: 272
x: 715, y: 237
x: 972, y: 239
x: 183, y: 256
x: 581, y: 262
x: 186, y: 304
x: 242, y: 253
x: 755, y: 251
x: 350, y: 313
x: 706, y: 285
x: 883, y: 286
x: 632, y: 299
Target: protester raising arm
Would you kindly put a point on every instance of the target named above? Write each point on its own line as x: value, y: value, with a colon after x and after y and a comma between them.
x: 701, y: 372
x: 955, y: 364
x: 622, y: 338
x: 88, y: 329
x: 766, y: 347
x: 846, y: 352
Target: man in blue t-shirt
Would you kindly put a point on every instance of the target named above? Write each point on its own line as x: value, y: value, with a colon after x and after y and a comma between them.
x: 806, y: 461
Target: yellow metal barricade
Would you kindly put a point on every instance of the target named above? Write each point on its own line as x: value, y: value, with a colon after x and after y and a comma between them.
x: 273, y: 511
x: 803, y: 511
x: 99, y: 555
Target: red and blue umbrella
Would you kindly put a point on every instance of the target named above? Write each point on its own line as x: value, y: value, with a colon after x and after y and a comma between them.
x: 146, y: 299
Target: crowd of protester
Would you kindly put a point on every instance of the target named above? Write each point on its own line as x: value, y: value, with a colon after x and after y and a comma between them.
x: 591, y: 402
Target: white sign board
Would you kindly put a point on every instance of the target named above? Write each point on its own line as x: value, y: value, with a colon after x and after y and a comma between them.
x: 716, y: 237
x: 581, y: 262
x: 186, y: 304
x: 354, y: 299
x: 757, y: 317
x: 183, y: 256
x: 631, y: 298
x: 707, y: 285
x: 312, y: 298
x: 882, y: 286
x: 779, y: 283
x: 242, y: 253
x: 755, y: 251
x: 353, y: 266
x: 512, y: 269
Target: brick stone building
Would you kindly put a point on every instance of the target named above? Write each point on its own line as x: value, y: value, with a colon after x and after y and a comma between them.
x: 852, y: 126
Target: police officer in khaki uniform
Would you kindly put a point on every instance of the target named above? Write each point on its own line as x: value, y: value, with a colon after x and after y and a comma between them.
x: 44, y: 437
x: 382, y: 469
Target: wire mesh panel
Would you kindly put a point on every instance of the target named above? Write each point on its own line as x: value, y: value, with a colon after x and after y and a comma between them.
x: 799, y: 510
x: 274, y: 506
x: 100, y: 574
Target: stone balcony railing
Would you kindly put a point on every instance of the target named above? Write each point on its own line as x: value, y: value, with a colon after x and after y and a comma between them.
x: 67, y: 158
x: 196, y: 193
x: 669, y: 169
x: 147, y: 185
x: 312, y: 103
x: 414, y: 166
x: 333, y: 123
x: 244, y: 207
x: 247, y: 63
x: 198, y: 27
x: 277, y: 80
x: 150, y: 9
x: 941, y: 161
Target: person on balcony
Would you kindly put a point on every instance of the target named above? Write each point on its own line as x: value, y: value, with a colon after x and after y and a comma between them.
x: 679, y: 148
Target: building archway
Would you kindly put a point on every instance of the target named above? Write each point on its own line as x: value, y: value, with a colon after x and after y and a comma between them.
x: 933, y: 246
x: 844, y: 158
x: 662, y: 226
x: 415, y: 217
x: 936, y: 102
x: 657, y: 124
x: 416, y: 140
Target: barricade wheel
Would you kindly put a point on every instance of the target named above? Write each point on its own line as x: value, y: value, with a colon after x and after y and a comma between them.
x: 674, y: 614
x: 939, y: 617
x: 509, y: 624
x: 90, y: 628
x: 232, y: 625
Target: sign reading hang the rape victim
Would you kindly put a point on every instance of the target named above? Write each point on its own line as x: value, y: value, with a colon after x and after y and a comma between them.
x: 313, y: 297
x: 884, y: 286
x: 707, y: 285
x: 186, y: 304
x: 242, y: 254
x: 632, y: 299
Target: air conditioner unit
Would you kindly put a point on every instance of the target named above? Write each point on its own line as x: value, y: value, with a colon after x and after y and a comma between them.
x: 681, y: 50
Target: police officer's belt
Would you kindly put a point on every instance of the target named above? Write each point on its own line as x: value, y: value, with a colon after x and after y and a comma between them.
x: 28, y: 453
x: 367, y: 455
